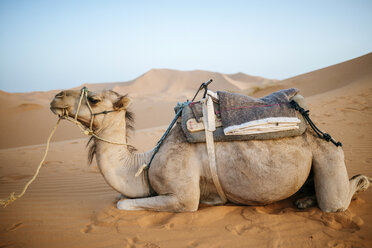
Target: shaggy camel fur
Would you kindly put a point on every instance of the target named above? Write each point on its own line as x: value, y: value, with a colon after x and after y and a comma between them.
x: 250, y: 172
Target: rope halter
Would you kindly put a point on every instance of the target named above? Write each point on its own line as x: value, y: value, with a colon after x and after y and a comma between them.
x: 84, y: 94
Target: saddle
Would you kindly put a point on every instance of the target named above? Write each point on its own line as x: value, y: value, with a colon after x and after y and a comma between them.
x: 240, y: 117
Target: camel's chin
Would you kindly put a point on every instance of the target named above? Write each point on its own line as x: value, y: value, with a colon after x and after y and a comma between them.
x: 57, y: 111
x: 63, y: 112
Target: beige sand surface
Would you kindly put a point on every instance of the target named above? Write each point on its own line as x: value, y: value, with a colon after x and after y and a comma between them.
x: 70, y: 205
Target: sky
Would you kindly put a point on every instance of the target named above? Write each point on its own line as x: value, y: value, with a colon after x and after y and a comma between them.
x: 47, y: 45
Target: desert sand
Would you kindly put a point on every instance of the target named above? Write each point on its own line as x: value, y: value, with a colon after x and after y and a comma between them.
x: 70, y: 205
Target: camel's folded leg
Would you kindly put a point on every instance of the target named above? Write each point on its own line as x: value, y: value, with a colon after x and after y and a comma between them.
x: 333, y: 189
x: 357, y: 184
x: 167, y: 203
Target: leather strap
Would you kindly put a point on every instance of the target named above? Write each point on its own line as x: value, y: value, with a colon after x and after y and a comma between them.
x: 209, y: 126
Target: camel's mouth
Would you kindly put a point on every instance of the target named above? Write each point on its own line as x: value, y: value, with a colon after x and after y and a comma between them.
x: 60, y: 111
x: 64, y: 112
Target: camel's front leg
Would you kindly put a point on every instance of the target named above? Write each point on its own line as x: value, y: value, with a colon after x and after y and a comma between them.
x: 166, y: 203
x: 178, y: 196
x: 175, y: 179
x: 333, y: 189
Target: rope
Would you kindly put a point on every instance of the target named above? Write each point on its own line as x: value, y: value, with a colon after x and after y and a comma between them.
x: 146, y: 168
x: 157, y: 147
x: 84, y: 94
x: 12, y: 197
x: 305, y: 114
x: 91, y: 133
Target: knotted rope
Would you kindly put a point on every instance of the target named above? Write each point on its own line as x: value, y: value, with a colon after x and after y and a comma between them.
x: 305, y: 113
x: 88, y: 131
x: 12, y: 197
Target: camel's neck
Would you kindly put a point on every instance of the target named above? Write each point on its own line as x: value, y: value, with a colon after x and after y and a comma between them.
x: 117, y: 164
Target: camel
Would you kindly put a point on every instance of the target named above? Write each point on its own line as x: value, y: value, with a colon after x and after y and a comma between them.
x: 255, y: 172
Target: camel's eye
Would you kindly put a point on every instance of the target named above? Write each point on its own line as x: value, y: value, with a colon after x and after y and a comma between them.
x: 60, y: 94
x: 93, y: 100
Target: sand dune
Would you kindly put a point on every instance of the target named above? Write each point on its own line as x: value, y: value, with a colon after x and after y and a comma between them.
x: 327, y: 79
x: 70, y: 205
x: 172, y: 84
x: 154, y: 93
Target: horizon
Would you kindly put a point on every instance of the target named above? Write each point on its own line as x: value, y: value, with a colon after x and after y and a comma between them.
x: 64, y: 44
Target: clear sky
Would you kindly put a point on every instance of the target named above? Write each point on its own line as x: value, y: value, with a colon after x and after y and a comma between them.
x: 61, y: 44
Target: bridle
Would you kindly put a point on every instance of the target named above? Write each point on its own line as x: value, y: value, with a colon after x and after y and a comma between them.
x: 84, y: 94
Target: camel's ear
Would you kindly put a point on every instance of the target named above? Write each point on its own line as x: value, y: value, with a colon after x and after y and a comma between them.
x: 122, y: 102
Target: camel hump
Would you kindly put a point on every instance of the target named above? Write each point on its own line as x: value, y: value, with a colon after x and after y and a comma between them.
x: 290, y: 93
x: 293, y: 94
x: 280, y: 95
x: 300, y: 100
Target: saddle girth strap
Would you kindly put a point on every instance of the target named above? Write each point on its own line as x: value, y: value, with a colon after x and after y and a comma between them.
x: 209, y: 127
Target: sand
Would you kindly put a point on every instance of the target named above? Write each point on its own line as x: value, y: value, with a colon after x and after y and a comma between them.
x: 70, y: 205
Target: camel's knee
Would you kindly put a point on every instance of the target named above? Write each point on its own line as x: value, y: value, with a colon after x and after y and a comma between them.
x: 189, y: 204
x: 334, y: 203
x: 333, y: 195
x: 334, y: 207
x: 184, y: 204
x: 330, y: 178
x: 356, y: 184
x: 190, y: 207
x: 333, y: 189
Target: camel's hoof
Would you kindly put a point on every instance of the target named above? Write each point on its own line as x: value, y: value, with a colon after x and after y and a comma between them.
x: 306, y: 202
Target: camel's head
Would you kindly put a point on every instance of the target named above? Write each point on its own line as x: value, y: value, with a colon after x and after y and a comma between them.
x: 67, y: 103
